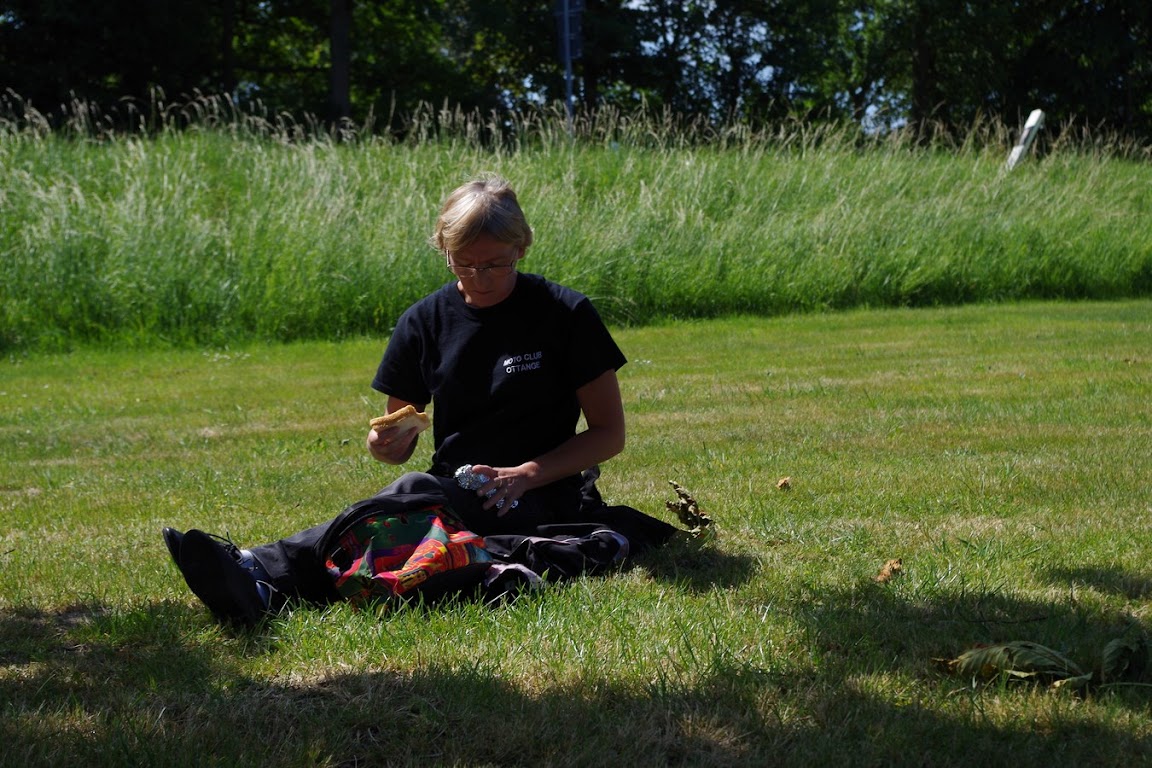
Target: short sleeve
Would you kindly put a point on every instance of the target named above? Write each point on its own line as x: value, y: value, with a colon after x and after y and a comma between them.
x: 401, y: 371
x: 593, y: 350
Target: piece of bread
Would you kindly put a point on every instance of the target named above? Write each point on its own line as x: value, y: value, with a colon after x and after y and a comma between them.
x: 404, y: 418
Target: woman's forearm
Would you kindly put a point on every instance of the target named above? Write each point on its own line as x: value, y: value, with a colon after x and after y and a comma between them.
x: 583, y: 450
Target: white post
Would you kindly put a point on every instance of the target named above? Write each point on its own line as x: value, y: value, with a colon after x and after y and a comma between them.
x: 1031, y: 127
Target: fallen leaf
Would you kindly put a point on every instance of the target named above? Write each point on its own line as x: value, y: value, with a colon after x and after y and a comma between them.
x: 1020, y: 659
x: 891, y: 569
x: 1125, y: 657
x: 688, y: 511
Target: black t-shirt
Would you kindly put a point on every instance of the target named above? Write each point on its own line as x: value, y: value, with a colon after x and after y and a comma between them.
x: 502, y: 380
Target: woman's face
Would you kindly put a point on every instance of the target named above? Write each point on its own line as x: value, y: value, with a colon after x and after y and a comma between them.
x: 486, y: 270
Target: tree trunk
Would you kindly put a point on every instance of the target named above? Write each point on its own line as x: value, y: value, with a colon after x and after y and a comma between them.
x: 228, y: 46
x: 924, y: 74
x: 340, y: 50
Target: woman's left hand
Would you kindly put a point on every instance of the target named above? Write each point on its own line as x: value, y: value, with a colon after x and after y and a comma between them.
x: 507, y: 484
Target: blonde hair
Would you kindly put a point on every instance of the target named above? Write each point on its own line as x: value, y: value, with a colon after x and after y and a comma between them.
x: 484, y: 206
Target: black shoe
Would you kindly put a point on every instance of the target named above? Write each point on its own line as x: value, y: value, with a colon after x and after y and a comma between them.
x: 215, y: 575
x: 172, y: 539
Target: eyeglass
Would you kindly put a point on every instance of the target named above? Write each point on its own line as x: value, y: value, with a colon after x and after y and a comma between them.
x: 495, y: 270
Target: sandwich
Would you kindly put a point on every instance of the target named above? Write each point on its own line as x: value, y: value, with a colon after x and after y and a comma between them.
x: 404, y: 419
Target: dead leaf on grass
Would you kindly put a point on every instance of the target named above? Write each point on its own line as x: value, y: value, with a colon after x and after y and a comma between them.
x: 890, y: 570
x: 688, y: 511
x: 1020, y: 659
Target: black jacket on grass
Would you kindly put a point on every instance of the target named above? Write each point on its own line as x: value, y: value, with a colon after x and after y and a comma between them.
x: 595, y: 538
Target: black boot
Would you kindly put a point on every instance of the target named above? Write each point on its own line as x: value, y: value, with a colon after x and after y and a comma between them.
x: 224, y: 577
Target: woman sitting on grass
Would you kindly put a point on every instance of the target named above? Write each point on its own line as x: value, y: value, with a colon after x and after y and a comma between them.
x: 509, y: 362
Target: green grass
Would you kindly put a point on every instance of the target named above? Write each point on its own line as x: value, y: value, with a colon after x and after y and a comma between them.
x: 224, y: 234
x: 1000, y: 451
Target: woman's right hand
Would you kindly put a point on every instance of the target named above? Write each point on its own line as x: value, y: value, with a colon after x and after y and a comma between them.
x: 392, y: 445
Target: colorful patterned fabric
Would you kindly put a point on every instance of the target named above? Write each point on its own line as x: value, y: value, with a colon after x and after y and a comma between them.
x: 388, y: 556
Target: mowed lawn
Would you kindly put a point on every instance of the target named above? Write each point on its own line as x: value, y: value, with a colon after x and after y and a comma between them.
x: 1001, y: 452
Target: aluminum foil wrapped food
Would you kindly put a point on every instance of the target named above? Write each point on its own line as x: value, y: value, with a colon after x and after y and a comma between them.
x: 471, y: 481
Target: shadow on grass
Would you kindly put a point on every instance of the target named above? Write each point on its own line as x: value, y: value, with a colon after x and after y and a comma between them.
x: 698, y: 565
x: 914, y: 628
x: 1114, y: 581
x: 94, y: 687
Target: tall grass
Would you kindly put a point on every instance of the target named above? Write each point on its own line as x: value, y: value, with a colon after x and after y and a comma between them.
x: 207, y: 225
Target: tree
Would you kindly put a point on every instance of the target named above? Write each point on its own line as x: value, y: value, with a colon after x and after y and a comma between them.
x: 52, y: 51
x: 1091, y: 62
x: 938, y: 64
x: 947, y: 63
x: 611, y: 54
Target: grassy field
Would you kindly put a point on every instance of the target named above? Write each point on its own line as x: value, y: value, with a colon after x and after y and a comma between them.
x: 1001, y: 451
x: 232, y: 231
